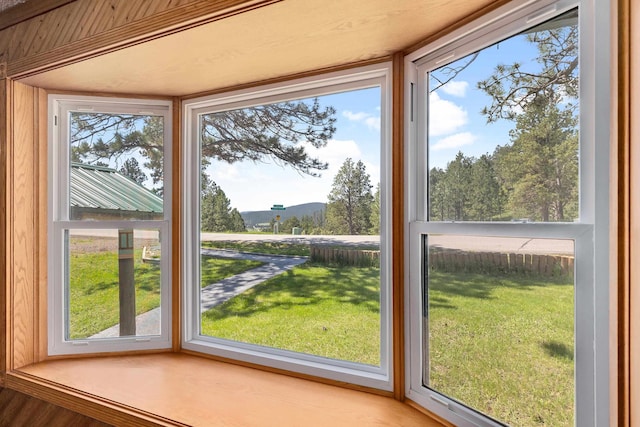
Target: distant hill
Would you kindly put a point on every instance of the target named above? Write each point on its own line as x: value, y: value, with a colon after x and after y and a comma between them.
x: 252, y: 218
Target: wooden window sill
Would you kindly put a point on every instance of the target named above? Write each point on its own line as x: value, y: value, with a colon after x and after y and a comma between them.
x: 177, y: 389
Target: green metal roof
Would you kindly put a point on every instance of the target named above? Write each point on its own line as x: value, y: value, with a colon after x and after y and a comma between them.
x: 104, y: 189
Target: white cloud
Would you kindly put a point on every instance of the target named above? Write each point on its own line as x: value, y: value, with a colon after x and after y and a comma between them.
x: 372, y: 121
x: 445, y: 117
x: 228, y: 171
x: 454, y: 141
x: 334, y: 153
x: 354, y: 117
x: 455, y: 88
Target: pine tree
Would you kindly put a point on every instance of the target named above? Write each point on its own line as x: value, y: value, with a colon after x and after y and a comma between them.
x: 540, y: 167
x: 349, y: 203
x: 131, y: 169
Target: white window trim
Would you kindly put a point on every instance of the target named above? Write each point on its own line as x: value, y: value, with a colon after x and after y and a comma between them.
x: 59, y: 107
x: 591, y: 234
x: 369, y: 376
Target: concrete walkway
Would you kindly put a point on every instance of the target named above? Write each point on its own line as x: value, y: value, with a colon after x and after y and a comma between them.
x: 216, y: 293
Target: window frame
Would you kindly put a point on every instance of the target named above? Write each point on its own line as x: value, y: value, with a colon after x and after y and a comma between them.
x: 590, y: 233
x: 378, y: 75
x: 60, y: 107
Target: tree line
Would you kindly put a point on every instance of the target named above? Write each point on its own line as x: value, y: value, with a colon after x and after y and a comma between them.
x: 352, y: 207
x: 535, y: 176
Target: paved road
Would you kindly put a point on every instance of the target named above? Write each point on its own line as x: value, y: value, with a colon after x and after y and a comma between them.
x: 463, y: 243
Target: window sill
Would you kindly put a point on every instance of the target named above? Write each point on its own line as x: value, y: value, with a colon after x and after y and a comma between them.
x: 178, y: 389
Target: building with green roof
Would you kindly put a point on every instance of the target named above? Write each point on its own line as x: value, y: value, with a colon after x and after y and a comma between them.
x: 99, y: 192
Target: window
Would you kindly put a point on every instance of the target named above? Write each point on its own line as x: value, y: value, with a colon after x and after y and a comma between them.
x: 287, y: 226
x: 109, y: 217
x: 505, y: 240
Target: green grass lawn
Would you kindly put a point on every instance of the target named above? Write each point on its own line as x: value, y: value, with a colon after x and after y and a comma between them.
x: 326, y: 311
x: 504, y: 345
x: 264, y: 247
x: 93, y: 287
x: 93, y: 291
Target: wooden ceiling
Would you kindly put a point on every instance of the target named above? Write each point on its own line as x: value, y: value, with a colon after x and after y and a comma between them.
x: 281, y: 39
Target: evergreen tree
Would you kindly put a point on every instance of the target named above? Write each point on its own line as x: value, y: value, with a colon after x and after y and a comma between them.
x: 439, y: 206
x: 130, y: 168
x: 540, y: 167
x: 236, y: 223
x: 216, y: 214
x: 375, y: 212
x: 458, y: 179
x: 513, y: 87
x: 468, y: 189
x: 307, y: 224
x: 349, y: 203
x: 486, y: 198
x: 289, y: 223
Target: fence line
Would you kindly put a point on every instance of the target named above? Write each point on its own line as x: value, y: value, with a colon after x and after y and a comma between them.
x: 345, y: 256
x: 453, y: 260
x: 480, y: 262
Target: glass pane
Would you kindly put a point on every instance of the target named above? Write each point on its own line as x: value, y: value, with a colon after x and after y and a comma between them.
x: 499, y: 330
x: 290, y: 220
x: 116, y: 166
x: 503, y: 130
x: 113, y: 283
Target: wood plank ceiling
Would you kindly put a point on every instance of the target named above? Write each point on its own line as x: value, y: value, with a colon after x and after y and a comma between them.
x: 280, y: 39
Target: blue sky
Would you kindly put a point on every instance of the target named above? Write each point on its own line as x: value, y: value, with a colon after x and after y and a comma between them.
x: 456, y: 123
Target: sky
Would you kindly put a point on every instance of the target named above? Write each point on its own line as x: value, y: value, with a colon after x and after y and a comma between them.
x: 258, y: 186
x: 455, y: 124
x: 455, y: 121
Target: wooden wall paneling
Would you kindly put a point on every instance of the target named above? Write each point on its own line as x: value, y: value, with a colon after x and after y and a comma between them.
x: 105, y: 27
x: 90, y: 405
x: 176, y: 227
x: 398, y: 228
x: 19, y: 410
x: 5, y: 107
x: 22, y: 225
x: 619, y: 258
x: 41, y: 188
x: 75, y: 22
x: 28, y: 10
x: 633, y: 285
